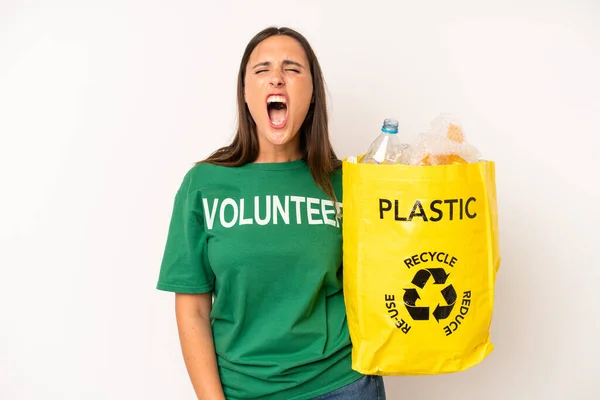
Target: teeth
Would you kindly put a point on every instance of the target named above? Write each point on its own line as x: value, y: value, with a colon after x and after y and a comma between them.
x: 276, y: 99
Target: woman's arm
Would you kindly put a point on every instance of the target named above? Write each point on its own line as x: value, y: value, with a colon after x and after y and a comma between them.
x: 197, y: 345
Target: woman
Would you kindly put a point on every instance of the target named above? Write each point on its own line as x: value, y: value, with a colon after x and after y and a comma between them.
x: 257, y: 226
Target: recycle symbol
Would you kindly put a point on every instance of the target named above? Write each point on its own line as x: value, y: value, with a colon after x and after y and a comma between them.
x: 419, y: 313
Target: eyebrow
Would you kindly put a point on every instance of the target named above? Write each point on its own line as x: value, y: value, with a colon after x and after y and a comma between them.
x: 285, y: 63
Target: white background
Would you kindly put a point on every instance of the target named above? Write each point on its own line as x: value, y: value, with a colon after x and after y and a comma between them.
x: 104, y: 105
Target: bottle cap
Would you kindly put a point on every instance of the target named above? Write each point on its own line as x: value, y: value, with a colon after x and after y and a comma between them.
x: 390, y: 126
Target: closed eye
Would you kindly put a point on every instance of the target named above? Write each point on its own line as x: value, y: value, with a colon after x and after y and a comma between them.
x: 259, y: 71
x: 293, y: 70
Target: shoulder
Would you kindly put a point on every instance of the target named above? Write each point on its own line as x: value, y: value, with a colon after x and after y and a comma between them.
x: 336, y: 176
x: 336, y: 182
x: 202, y: 174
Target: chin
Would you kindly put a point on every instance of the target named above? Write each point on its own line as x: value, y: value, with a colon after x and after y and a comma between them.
x: 278, y: 135
x: 279, y: 138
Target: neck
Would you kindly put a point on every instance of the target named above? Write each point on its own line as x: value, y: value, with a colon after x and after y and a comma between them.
x: 269, y: 152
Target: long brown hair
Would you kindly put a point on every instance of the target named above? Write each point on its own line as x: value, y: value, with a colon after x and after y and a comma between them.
x: 315, y: 145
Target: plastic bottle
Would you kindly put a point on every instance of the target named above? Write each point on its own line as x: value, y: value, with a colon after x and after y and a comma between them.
x: 386, y: 148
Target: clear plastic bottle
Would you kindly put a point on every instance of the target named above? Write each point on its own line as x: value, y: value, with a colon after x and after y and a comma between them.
x: 386, y: 148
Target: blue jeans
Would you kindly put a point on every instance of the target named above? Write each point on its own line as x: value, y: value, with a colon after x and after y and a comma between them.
x: 369, y: 387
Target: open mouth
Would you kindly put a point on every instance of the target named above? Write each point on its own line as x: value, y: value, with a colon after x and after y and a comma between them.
x: 277, y: 110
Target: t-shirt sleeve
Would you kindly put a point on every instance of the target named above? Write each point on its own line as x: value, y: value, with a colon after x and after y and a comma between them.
x: 185, y: 267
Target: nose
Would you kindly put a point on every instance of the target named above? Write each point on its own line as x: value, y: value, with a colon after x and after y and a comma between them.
x: 276, y: 79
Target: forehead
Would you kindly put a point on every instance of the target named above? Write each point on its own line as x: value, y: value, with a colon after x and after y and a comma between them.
x: 279, y: 47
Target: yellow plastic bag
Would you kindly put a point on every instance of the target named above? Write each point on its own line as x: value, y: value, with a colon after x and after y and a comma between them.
x: 420, y: 262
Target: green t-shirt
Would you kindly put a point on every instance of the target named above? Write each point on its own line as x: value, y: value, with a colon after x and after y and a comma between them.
x: 267, y: 242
